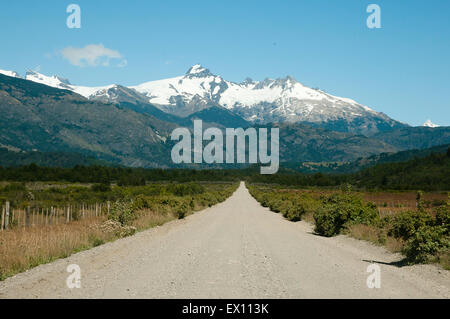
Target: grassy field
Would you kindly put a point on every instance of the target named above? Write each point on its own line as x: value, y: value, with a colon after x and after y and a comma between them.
x: 416, y: 224
x: 92, y: 221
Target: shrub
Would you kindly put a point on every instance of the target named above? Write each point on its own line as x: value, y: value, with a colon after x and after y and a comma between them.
x: 328, y: 221
x: 295, y: 212
x: 426, y: 242
x: 104, y: 187
x: 405, y: 224
x: 186, y: 189
x: 443, y: 217
x: 122, y: 212
x: 342, y: 210
x: 182, y: 210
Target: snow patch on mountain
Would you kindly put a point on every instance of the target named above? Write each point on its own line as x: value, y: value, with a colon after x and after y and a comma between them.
x: 62, y: 83
x: 53, y: 81
x: 270, y: 100
x: 197, y: 82
x: 428, y: 123
x: 10, y: 73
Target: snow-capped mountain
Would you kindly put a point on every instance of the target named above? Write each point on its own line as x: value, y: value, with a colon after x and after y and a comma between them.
x: 428, y: 123
x: 271, y: 100
x: 10, y: 73
x: 62, y: 83
x: 261, y: 102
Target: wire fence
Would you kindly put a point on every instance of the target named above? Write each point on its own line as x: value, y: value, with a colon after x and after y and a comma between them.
x: 12, y: 218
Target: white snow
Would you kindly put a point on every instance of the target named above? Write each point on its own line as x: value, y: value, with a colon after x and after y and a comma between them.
x: 60, y: 83
x: 428, y: 123
x: 196, y: 69
x: 53, y: 81
x: 159, y: 92
x: 10, y: 73
x: 290, y: 98
x: 251, y: 94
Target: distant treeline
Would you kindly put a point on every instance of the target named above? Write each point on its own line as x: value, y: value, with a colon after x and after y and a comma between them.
x: 428, y: 173
x: 431, y: 173
x: 48, y: 159
x: 106, y: 174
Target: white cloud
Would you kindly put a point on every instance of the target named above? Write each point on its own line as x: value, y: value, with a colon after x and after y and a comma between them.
x: 93, y: 55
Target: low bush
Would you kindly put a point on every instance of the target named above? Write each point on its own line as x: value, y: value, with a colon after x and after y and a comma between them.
x: 421, y: 235
x: 295, y: 212
x: 104, y: 187
x: 425, y: 243
x: 122, y: 212
x: 405, y: 224
x: 341, y: 210
x: 443, y: 217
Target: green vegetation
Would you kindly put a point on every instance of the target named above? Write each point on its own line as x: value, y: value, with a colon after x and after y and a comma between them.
x: 40, y: 194
x: 291, y: 205
x: 133, y: 208
x: 47, y: 159
x: 338, y: 211
x: 428, y: 173
x: 427, y: 235
x: 423, y: 235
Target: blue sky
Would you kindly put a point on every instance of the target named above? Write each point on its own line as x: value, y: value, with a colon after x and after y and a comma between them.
x: 402, y: 69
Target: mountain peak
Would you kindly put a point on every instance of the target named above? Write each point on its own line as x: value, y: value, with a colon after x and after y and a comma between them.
x: 198, y: 71
x: 428, y: 123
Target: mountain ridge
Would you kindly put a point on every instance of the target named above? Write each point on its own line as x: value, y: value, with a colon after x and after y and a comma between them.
x: 259, y: 102
x: 37, y: 117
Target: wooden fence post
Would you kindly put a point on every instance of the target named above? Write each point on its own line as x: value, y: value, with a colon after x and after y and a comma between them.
x: 3, y: 218
x: 27, y: 218
x: 68, y: 214
x: 109, y: 206
x: 7, y: 215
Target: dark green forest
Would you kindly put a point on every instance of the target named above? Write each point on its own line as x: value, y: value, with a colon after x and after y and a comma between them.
x: 431, y: 173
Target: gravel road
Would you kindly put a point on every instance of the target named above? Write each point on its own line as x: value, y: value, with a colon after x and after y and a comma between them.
x: 236, y: 249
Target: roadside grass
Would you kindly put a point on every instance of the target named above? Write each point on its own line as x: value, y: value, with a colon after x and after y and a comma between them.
x: 24, y: 248
x: 415, y: 224
x: 376, y: 236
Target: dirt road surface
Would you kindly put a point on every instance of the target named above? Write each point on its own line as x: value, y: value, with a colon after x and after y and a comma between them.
x: 236, y: 249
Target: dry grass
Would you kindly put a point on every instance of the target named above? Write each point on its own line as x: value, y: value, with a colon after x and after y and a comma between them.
x: 25, y: 248
x: 444, y: 259
x: 375, y: 235
x: 365, y: 232
x: 49, y: 237
x: 148, y: 219
x: 394, y: 245
x: 308, y: 217
x: 21, y: 249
